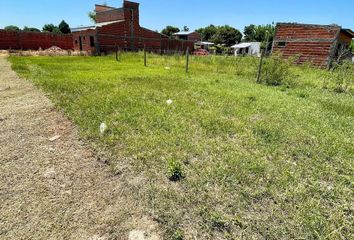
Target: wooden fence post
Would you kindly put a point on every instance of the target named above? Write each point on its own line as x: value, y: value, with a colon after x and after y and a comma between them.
x: 117, y: 58
x: 145, y: 63
x: 187, y: 60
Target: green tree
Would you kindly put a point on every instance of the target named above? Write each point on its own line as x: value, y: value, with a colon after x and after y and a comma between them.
x: 12, y: 28
x: 64, y: 27
x: 51, y: 28
x: 185, y: 29
x: 31, y: 29
x: 352, y: 46
x: 170, y: 30
x: 92, y: 16
x: 226, y: 35
x: 207, y: 32
x: 253, y: 33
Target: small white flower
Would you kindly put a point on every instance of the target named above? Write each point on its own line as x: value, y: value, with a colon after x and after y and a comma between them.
x: 167, y: 68
x: 169, y: 102
x: 103, y: 128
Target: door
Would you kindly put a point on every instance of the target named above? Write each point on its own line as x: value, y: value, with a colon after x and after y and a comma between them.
x: 80, y: 42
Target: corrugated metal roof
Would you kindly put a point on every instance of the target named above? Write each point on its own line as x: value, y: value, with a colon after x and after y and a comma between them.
x: 244, y: 45
x: 78, y: 29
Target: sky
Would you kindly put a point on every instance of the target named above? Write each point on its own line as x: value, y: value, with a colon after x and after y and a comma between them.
x: 156, y: 14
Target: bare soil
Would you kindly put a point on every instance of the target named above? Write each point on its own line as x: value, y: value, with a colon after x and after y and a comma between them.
x: 52, y: 185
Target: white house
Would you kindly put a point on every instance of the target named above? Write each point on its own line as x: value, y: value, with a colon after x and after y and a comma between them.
x: 247, y: 48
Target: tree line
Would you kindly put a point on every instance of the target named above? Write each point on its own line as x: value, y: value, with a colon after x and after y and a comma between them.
x: 62, y: 28
x: 228, y: 35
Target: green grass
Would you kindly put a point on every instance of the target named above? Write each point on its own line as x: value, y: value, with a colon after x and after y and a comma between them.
x: 254, y: 161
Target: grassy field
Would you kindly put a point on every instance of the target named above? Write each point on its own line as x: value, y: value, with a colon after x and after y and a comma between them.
x: 229, y: 158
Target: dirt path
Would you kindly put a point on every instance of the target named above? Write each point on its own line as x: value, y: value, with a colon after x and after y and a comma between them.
x: 55, y: 189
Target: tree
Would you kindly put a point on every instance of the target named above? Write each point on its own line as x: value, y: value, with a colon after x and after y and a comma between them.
x: 170, y: 30
x: 258, y: 33
x: 185, y: 29
x: 31, y: 29
x: 207, y: 32
x: 51, y: 28
x: 352, y: 46
x: 64, y: 27
x: 92, y: 16
x: 12, y: 28
x: 226, y: 35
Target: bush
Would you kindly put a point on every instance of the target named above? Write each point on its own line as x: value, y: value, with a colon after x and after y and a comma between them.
x: 341, y: 77
x: 276, y: 71
x: 175, y: 171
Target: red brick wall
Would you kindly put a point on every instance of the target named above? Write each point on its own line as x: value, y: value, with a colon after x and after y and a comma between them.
x: 34, y: 40
x: 110, y: 15
x: 85, y: 40
x: 101, y: 8
x: 312, y: 43
x: 194, y: 37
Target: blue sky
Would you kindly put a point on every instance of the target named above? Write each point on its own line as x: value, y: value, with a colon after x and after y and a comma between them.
x: 155, y: 14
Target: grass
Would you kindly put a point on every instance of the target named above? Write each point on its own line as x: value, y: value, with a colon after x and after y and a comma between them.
x: 248, y: 160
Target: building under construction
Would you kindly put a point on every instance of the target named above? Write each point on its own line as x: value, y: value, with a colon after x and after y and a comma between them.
x: 120, y: 28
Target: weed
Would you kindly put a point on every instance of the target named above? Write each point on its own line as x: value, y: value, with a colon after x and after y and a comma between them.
x: 175, y: 171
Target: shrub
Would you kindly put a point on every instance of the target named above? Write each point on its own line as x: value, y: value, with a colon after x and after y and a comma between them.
x: 177, y: 235
x: 276, y: 71
x: 175, y: 171
x: 341, y: 77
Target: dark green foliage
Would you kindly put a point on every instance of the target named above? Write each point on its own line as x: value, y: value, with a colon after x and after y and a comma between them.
x: 185, y: 29
x: 207, y: 32
x: 64, y: 27
x: 253, y: 33
x: 31, y: 29
x: 170, y: 30
x: 51, y: 28
x: 224, y: 35
x: 12, y: 28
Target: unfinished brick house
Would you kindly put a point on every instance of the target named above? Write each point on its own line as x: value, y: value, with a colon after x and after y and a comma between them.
x: 318, y: 44
x: 120, y: 27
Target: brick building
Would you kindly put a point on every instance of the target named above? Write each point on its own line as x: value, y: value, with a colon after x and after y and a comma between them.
x: 190, y: 36
x: 120, y: 27
x: 319, y: 44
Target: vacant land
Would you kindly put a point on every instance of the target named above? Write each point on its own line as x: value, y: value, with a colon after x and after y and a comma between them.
x: 226, y: 158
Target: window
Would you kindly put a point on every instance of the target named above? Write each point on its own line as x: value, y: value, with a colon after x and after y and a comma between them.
x: 92, y: 41
x: 84, y: 38
x: 76, y: 42
x: 281, y: 44
x: 131, y: 14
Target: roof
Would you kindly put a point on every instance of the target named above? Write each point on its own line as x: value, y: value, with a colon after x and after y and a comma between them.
x: 348, y: 31
x: 309, y: 25
x: 244, y: 45
x: 183, y: 33
x: 79, y: 29
x: 205, y: 43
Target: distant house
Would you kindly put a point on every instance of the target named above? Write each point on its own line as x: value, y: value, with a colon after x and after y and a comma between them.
x: 247, y: 48
x: 318, y: 44
x: 204, y: 45
x: 189, y: 36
